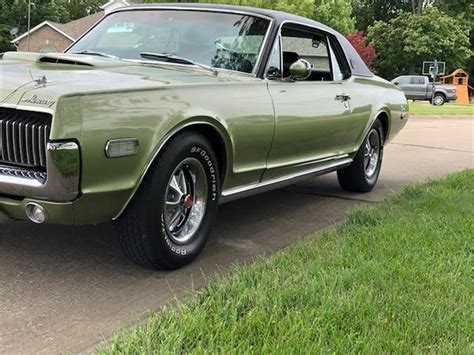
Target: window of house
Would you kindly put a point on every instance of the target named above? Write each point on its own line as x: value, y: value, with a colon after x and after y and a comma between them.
x: 48, y: 50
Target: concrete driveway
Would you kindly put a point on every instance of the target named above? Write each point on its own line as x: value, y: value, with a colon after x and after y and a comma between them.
x: 63, y: 289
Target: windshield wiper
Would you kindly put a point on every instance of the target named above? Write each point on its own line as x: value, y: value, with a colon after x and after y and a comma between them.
x: 99, y: 54
x: 168, y: 57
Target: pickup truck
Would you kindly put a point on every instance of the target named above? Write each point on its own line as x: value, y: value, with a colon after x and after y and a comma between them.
x: 417, y: 87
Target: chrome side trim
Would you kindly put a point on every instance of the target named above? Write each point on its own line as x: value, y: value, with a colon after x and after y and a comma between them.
x: 60, y: 183
x: 303, y: 163
x: 252, y: 189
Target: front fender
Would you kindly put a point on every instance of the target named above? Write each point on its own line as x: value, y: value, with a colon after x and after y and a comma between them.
x: 152, y: 118
x: 197, y: 122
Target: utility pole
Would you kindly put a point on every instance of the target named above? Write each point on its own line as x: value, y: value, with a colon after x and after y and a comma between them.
x: 434, y: 74
x: 29, y: 26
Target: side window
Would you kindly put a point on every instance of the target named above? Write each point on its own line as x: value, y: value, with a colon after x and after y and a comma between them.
x: 308, y: 44
x: 336, y: 69
x: 404, y: 80
x: 274, y: 62
x: 416, y: 80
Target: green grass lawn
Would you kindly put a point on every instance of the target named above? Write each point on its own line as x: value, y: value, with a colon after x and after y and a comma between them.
x: 425, y: 108
x: 396, y: 277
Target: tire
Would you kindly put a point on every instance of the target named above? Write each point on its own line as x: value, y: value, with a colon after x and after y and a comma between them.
x: 438, y: 99
x: 363, y: 173
x: 169, y: 220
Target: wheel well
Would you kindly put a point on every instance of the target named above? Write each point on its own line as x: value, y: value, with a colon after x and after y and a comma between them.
x: 440, y: 93
x: 383, y: 117
x: 217, y: 143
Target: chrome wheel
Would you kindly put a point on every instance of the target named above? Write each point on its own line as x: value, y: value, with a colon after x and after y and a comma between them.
x: 185, y: 200
x: 371, y: 153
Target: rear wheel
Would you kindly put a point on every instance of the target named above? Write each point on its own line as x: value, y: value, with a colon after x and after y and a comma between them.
x: 438, y: 99
x: 169, y: 220
x: 363, y: 173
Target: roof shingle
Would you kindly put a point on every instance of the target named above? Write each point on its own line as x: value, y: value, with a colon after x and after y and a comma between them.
x: 76, y: 28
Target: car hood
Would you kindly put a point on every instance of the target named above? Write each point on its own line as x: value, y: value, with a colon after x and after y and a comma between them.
x: 41, y: 79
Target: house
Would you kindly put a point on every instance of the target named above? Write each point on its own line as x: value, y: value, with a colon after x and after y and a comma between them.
x: 51, y: 36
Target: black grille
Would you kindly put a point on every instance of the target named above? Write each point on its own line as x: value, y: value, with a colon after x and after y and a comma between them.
x: 23, y: 137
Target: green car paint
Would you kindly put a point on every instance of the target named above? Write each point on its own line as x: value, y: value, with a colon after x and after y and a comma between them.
x: 267, y: 132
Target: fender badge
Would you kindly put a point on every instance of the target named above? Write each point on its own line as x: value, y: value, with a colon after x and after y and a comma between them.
x: 37, y: 101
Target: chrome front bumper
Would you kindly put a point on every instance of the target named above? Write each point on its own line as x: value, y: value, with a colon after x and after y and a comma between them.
x: 60, y: 182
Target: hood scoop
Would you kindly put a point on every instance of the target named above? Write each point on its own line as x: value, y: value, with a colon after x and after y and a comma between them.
x: 74, y: 61
x: 66, y: 61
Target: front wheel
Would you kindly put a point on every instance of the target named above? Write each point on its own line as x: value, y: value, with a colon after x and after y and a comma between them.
x: 439, y: 100
x: 169, y: 220
x: 363, y: 173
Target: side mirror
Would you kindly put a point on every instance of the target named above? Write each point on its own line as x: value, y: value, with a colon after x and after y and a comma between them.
x: 300, y: 70
x: 396, y: 83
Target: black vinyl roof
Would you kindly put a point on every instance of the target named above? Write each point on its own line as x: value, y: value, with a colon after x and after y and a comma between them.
x: 358, y: 66
x: 278, y: 16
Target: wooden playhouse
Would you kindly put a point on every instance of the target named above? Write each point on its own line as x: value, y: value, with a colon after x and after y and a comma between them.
x: 460, y: 79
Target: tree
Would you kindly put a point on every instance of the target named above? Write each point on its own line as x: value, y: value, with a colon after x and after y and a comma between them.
x: 366, y: 12
x: 463, y: 10
x: 298, y: 7
x: 336, y: 14
x: 365, y: 50
x: 81, y: 8
x: 10, y: 16
x: 14, y: 13
x: 407, y: 40
x: 418, y: 6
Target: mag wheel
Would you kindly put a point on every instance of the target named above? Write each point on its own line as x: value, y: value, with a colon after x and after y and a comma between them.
x: 169, y: 220
x: 363, y: 173
x: 185, y: 201
x: 372, y: 150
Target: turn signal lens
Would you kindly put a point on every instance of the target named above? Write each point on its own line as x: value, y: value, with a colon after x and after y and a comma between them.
x: 121, y: 147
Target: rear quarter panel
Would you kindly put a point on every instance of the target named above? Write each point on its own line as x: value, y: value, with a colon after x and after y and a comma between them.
x: 370, y: 97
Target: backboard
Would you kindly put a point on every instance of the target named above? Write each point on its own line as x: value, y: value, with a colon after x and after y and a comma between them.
x: 430, y: 66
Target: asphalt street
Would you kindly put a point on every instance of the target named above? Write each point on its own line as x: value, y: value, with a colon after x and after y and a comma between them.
x: 64, y: 289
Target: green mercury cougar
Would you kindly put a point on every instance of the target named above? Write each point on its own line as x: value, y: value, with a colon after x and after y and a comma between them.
x: 161, y: 112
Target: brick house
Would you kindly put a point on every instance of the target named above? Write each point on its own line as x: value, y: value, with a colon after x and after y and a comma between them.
x: 51, y: 36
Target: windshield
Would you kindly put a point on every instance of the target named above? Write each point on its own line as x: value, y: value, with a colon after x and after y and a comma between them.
x: 219, y: 40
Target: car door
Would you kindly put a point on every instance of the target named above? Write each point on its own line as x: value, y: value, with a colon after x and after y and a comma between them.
x: 403, y: 82
x: 418, y: 87
x: 310, y: 114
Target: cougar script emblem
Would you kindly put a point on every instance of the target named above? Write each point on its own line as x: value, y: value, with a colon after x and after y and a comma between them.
x: 37, y: 101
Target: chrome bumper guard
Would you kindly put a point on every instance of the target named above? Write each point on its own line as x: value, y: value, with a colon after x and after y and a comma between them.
x: 59, y: 183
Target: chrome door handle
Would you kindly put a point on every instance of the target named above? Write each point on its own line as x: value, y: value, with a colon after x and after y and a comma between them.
x: 343, y: 97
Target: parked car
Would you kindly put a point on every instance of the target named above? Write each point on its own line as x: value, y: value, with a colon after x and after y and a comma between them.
x: 418, y: 87
x: 161, y: 112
